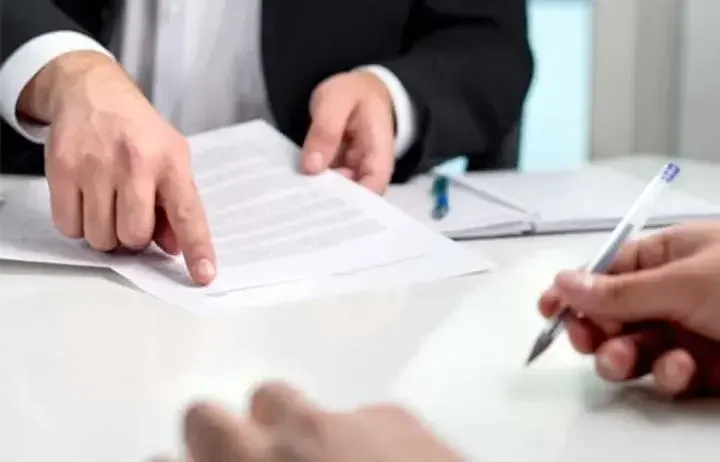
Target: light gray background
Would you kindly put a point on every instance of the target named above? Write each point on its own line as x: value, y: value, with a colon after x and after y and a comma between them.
x: 656, y: 78
x: 700, y: 90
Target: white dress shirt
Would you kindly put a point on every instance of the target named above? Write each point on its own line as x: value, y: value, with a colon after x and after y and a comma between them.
x: 203, y: 72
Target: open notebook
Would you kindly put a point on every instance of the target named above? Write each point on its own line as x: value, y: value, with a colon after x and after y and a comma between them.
x: 510, y: 203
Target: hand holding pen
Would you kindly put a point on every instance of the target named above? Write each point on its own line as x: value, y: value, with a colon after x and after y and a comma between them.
x: 634, y: 221
x: 655, y: 312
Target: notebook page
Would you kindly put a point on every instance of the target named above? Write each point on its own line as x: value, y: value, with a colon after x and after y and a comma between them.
x: 677, y: 206
x: 469, y: 213
x: 596, y: 197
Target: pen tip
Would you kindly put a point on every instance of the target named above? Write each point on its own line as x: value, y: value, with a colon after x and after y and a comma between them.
x: 533, y: 356
x: 541, y: 344
x: 439, y: 212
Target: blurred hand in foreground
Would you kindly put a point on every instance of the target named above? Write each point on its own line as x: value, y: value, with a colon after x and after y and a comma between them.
x: 284, y: 426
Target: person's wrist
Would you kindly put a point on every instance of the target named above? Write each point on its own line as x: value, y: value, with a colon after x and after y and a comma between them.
x: 56, y: 85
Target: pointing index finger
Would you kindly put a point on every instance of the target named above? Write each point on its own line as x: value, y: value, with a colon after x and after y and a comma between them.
x: 186, y: 216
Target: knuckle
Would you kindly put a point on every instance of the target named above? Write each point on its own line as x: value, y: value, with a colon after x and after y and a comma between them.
x: 133, y: 157
x: 155, y: 154
x: 176, y: 157
x: 180, y: 199
x: 135, y: 238
x: 61, y: 162
x: 94, y: 162
x: 184, y: 214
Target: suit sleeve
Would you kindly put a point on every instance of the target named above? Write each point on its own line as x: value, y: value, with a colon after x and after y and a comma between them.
x: 468, y: 68
x: 24, y: 20
x: 33, y: 33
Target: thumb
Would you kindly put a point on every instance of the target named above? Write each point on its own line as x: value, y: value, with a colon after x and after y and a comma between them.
x: 330, y: 110
x: 274, y: 403
x: 213, y: 434
x: 652, y: 294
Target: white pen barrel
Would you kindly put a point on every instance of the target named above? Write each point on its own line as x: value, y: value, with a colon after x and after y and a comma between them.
x: 636, y: 218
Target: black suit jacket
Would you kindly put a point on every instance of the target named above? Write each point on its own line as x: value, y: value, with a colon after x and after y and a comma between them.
x: 466, y: 63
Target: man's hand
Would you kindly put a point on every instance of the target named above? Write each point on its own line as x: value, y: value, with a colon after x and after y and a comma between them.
x: 119, y: 175
x: 285, y: 427
x: 352, y: 130
x: 656, y: 312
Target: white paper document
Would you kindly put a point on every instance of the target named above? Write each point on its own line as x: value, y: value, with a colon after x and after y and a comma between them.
x: 28, y: 235
x: 279, y: 235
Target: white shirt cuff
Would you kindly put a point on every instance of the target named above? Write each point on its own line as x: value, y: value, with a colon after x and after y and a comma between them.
x: 22, y: 66
x: 405, y: 115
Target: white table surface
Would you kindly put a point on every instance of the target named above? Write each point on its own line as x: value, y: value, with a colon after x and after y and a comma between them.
x: 94, y: 371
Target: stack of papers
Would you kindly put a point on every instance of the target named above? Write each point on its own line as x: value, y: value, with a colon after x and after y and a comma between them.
x: 510, y: 203
x: 280, y: 236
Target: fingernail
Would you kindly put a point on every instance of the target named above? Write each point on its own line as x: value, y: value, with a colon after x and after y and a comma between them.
x: 204, y: 271
x: 611, y: 361
x: 671, y: 370
x: 673, y: 375
x: 606, y: 364
x: 314, y: 161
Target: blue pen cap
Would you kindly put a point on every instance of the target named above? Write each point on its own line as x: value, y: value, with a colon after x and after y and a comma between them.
x: 670, y: 172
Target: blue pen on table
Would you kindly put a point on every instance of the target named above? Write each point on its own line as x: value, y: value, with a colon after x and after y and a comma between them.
x: 441, y: 185
x: 440, y: 194
x: 635, y: 220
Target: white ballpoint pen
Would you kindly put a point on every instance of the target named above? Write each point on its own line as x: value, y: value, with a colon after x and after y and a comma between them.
x: 634, y: 221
